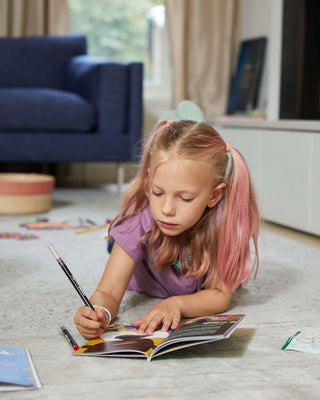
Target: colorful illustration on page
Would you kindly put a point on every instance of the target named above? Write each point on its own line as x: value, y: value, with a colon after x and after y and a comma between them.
x: 119, y: 338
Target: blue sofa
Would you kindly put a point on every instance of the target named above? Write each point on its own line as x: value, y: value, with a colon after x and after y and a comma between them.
x: 58, y: 104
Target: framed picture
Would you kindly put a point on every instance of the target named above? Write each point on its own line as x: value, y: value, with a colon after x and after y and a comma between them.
x: 246, y: 80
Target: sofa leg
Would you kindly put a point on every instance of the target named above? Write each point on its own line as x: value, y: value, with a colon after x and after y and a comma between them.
x: 120, y: 176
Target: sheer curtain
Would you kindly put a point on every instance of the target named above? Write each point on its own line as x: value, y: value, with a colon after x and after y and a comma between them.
x: 203, y: 36
x: 33, y: 17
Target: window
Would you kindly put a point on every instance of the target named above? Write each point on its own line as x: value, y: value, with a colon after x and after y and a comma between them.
x: 126, y: 30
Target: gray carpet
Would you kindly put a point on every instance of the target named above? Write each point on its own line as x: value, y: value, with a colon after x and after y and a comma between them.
x: 36, y: 296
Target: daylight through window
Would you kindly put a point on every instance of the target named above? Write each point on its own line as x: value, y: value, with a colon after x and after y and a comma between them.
x: 123, y: 31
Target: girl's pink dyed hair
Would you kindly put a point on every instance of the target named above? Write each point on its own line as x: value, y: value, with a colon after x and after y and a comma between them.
x: 220, y: 241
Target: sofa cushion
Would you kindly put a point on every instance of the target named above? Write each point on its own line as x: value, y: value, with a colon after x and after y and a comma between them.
x: 38, y: 61
x: 37, y: 110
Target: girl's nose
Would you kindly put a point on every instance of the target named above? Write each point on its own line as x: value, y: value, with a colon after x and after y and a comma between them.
x: 167, y: 207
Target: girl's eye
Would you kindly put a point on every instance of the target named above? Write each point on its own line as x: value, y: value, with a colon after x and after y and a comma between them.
x: 156, y: 193
x: 186, y: 200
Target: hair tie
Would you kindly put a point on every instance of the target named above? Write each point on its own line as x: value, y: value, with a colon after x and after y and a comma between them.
x: 229, y: 165
x: 228, y: 148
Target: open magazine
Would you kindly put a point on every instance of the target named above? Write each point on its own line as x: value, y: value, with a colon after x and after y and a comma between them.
x: 124, y: 340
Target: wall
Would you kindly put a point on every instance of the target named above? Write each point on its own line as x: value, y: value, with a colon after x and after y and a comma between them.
x: 254, y: 18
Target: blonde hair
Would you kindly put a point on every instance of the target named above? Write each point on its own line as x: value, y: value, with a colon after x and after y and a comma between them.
x: 219, y: 243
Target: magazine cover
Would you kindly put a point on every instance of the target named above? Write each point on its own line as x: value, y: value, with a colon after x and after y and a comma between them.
x: 17, y: 371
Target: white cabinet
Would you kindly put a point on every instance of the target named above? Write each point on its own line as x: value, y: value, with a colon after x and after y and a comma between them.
x: 283, y: 155
x: 285, y: 167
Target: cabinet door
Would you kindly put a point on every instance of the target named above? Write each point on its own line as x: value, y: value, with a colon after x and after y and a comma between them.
x: 314, y: 214
x: 285, y: 179
x: 285, y: 167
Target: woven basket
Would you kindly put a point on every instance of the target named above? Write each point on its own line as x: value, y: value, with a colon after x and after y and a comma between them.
x: 25, y: 193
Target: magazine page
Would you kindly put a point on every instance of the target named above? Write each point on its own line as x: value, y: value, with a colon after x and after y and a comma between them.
x: 123, y: 340
x: 202, y: 329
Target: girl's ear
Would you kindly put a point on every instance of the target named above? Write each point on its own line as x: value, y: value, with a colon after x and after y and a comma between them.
x: 216, y: 194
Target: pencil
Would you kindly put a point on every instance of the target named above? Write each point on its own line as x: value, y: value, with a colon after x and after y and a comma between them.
x: 70, y: 277
x: 89, y: 229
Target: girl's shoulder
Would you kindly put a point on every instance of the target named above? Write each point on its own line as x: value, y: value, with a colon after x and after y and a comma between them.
x: 146, y: 217
x: 129, y: 233
x: 140, y: 223
x: 144, y: 220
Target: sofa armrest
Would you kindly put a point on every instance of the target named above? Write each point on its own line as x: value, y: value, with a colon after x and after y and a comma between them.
x: 114, y: 89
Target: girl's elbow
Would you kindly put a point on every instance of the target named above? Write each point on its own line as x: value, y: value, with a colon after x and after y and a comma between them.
x: 225, y: 301
x: 220, y: 303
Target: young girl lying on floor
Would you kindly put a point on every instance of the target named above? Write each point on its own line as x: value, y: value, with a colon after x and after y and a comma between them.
x: 183, y: 233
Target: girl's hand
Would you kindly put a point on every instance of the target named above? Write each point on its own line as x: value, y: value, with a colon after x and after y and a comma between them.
x: 89, y: 323
x: 167, y: 313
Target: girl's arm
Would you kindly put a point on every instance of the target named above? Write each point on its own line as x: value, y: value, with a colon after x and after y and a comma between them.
x: 169, y: 311
x: 108, y: 294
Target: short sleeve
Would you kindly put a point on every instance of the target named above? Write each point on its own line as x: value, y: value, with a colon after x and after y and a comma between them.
x: 130, y: 232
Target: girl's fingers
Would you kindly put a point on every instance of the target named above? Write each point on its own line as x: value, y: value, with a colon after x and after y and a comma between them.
x: 166, y: 313
x: 89, y: 334
x: 141, y: 324
x: 152, y: 325
x: 87, y: 320
x: 89, y: 324
x: 142, y: 328
x: 101, y: 315
x: 175, y: 323
x: 86, y: 312
x: 167, y: 324
x: 148, y: 326
x: 137, y: 322
x: 89, y: 329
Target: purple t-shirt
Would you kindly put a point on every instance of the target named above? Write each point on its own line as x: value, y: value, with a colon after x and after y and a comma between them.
x: 165, y: 283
